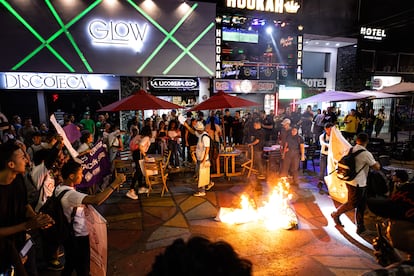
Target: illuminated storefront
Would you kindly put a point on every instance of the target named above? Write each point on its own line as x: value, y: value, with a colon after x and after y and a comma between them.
x: 259, y: 46
x: 141, y: 39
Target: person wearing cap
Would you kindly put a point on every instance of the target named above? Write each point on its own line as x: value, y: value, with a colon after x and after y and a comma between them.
x: 284, y: 132
x: 293, y: 152
x: 202, y: 154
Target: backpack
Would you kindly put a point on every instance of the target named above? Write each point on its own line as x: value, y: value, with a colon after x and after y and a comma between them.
x: 214, y: 148
x: 346, y: 169
x: 62, y: 229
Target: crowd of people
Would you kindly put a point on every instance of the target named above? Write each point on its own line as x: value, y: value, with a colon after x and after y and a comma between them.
x: 36, y: 155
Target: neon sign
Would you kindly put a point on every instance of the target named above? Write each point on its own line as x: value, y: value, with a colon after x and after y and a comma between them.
x: 118, y: 33
x: 299, y: 70
x: 57, y: 81
x: 275, y: 6
x: 372, y: 33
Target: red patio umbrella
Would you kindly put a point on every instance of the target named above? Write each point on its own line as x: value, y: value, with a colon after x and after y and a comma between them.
x: 139, y: 100
x: 223, y: 100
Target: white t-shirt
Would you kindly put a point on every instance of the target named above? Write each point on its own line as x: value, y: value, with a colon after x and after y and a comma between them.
x: 202, y: 144
x: 364, y: 158
x: 72, y: 199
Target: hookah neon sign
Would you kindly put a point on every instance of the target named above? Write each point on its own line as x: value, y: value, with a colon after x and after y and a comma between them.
x: 118, y: 33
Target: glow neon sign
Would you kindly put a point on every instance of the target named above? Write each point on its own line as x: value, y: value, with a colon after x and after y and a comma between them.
x: 118, y: 33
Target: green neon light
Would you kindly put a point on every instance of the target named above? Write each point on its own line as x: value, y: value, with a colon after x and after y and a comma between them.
x: 56, y: 34
x: 69, y: 36
x: 187, y: 51
x: 168, y: 36
x: 37, y: 35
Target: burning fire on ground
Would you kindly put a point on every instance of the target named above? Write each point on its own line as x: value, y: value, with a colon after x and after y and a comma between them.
x: 274, y: 212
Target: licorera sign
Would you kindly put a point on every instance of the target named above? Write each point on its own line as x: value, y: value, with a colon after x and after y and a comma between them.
x: 275, y: 6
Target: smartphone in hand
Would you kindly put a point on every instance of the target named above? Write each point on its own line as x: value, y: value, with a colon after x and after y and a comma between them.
x: 27, y: 246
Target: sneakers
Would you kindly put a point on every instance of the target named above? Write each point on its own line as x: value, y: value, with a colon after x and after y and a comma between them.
x: 143, y: 190
x: 199, y: 194
x: 336, y: 219
x: 209, y: 186
x: 132, y: 195
x: 55, y: 265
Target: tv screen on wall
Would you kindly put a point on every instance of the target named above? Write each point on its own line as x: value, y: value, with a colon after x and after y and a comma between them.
x: 240, y: 35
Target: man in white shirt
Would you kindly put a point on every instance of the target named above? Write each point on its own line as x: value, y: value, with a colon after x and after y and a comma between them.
x: 357, y: 188
x: 202, y: 154
x: 77, y: 248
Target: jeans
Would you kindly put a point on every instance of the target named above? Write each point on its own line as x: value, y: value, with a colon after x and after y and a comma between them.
x: 323, y: 164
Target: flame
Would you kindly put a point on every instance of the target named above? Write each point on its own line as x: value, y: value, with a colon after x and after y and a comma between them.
x: 275, y: 212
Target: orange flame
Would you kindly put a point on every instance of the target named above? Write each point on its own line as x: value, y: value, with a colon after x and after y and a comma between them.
x: 275, y: 213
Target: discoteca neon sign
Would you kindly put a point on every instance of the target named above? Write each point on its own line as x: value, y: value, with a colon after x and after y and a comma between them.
x: 118, y: 33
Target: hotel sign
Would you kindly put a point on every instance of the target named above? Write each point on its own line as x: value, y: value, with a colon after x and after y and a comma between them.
x: 372, y: 33
x: 45, y: 81
x: 274, y: 6
x: 315, y: 82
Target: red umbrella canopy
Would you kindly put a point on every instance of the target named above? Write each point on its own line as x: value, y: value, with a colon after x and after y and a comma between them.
x: 140, y: 100
x: 222, y: 100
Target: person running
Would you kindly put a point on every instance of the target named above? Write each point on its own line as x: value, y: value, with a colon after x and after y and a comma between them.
x: 357, y: 188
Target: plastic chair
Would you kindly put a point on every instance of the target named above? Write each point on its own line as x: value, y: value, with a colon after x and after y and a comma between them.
x: 311, y: 153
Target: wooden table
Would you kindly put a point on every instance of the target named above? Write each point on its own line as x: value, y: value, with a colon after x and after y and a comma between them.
x: 228, y: 156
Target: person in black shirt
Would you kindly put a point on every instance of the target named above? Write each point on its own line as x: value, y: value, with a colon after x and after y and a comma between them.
x: 293, y: 153
x: 258, y: 142
x: 237, y: 128
x: 17, y: 218
x: 228, y: 123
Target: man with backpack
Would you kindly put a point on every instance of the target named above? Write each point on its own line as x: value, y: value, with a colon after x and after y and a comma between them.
x: 74, y: 203
x: 357, y: 185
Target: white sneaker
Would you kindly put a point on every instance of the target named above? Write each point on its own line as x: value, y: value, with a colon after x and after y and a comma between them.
x: 142, y: 190
x: 209, y: 186
x: 132, y: 195
x: 199, y: 194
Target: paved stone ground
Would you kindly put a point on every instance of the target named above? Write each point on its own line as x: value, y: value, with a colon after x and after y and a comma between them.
x: 139, y: 230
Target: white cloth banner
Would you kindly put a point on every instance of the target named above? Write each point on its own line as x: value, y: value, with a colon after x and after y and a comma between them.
x: 62, y: 133
x: 97, y: 240
x: 338, y: 147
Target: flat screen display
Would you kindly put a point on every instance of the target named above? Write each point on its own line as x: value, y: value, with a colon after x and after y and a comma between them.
x: 239, y: 35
